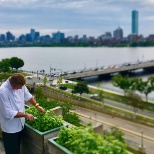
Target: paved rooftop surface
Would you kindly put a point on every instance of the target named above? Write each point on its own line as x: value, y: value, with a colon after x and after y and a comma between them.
x: 1, y: 147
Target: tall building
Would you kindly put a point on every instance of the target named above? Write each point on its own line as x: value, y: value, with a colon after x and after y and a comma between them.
x: 118, y: 33
x: 10, y: 36
x: 106, y: 36
x: 37, y: 35
x: 2, y: 37
x: 58, y: 37
x: 32, y: 33
x: 135, y: 22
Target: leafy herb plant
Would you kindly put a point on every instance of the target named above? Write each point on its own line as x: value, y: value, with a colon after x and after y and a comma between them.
x: 81, y: 140
x: 44, y: 121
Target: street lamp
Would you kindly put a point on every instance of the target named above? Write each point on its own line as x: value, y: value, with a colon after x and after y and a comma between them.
x: 142, y: 138
x: 141, y: 147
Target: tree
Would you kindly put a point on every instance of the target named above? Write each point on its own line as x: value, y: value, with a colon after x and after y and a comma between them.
x: 4, y: 76
x: 135, y: 101
x: 45, y: 80
x: 145, y: 87
x: 5, y: 65
x: 60, y: 80
x: 100, y: 93
x: 151, y: 82
x: 101, y: 96
x: 135, y: 83
x: 16, y: 63
x: 122, y: 82
x: 81, y: 87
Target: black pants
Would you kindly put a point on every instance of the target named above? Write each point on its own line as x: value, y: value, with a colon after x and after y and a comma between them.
x: 12, y: 142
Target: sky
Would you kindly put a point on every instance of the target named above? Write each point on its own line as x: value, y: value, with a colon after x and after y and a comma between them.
x: 75, y: 17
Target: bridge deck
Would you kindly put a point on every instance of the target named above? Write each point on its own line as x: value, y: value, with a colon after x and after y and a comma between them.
x: 89, y: 73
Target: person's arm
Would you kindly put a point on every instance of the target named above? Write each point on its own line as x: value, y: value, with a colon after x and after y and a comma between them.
x: 26, y: 115
x: 37, y: 106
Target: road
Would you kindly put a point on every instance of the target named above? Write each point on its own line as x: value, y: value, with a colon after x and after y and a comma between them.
x: 129, y: 108
x: 124, y: 106
x: 132, y: 130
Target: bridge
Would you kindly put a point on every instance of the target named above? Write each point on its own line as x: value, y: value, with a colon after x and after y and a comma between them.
x: 109, y: 71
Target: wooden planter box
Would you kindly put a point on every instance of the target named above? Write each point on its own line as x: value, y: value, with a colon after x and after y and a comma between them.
x: 35, y: 142
x: 55, y: 148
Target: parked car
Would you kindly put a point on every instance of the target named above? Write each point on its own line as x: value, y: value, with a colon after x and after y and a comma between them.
x: 95, y: 97
x: 62, y: 87
x: 29, y: 77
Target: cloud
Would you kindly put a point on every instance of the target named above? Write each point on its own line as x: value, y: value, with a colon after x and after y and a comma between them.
x: 63, y: 4
x: 82, y: 16
x: 149, y: 18
x: 45, y: 3
x: 149, y: 1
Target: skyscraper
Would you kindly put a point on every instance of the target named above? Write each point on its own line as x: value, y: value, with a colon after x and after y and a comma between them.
x: 135, y: 22
x: 58, y: 37
x: 118, y: 33
x: 32, y: 33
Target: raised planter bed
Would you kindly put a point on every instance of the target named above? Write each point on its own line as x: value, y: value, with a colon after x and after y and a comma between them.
x: 36, y: 133
x: 35, y: 142
x: 55, y: 148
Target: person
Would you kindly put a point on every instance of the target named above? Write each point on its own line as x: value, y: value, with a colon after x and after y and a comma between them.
x: 13, y: 95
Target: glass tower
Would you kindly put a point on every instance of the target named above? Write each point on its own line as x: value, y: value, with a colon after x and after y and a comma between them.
x: 135, y: 22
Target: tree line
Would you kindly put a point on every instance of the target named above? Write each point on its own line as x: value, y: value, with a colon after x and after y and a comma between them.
x: 132, y: 87
x: 9, y: 64
x: 134, y: 84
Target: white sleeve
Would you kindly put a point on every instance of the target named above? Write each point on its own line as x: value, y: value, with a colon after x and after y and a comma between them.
x: 27, y: 94
x: 5, y: 106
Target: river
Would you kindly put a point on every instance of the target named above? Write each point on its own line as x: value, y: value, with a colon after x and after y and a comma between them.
x: 37, y: 58
x: 68, y: 58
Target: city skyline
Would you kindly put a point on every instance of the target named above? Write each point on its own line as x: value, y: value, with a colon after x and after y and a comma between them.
x: 77, y: 17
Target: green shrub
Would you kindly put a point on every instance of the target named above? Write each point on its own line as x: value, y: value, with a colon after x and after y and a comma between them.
x: 72, y: 118
x: 66, y: 107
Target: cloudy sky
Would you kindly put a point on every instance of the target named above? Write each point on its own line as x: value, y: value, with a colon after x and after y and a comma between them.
x: 91, y: 17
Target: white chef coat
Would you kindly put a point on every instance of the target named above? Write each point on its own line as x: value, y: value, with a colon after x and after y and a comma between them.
x: 11, y: 102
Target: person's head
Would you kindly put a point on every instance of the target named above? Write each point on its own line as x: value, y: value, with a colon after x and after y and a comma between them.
x: 17, y: 80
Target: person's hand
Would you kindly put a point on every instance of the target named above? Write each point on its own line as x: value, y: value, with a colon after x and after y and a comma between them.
x: 29, y: 116
x: 41, y: 109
